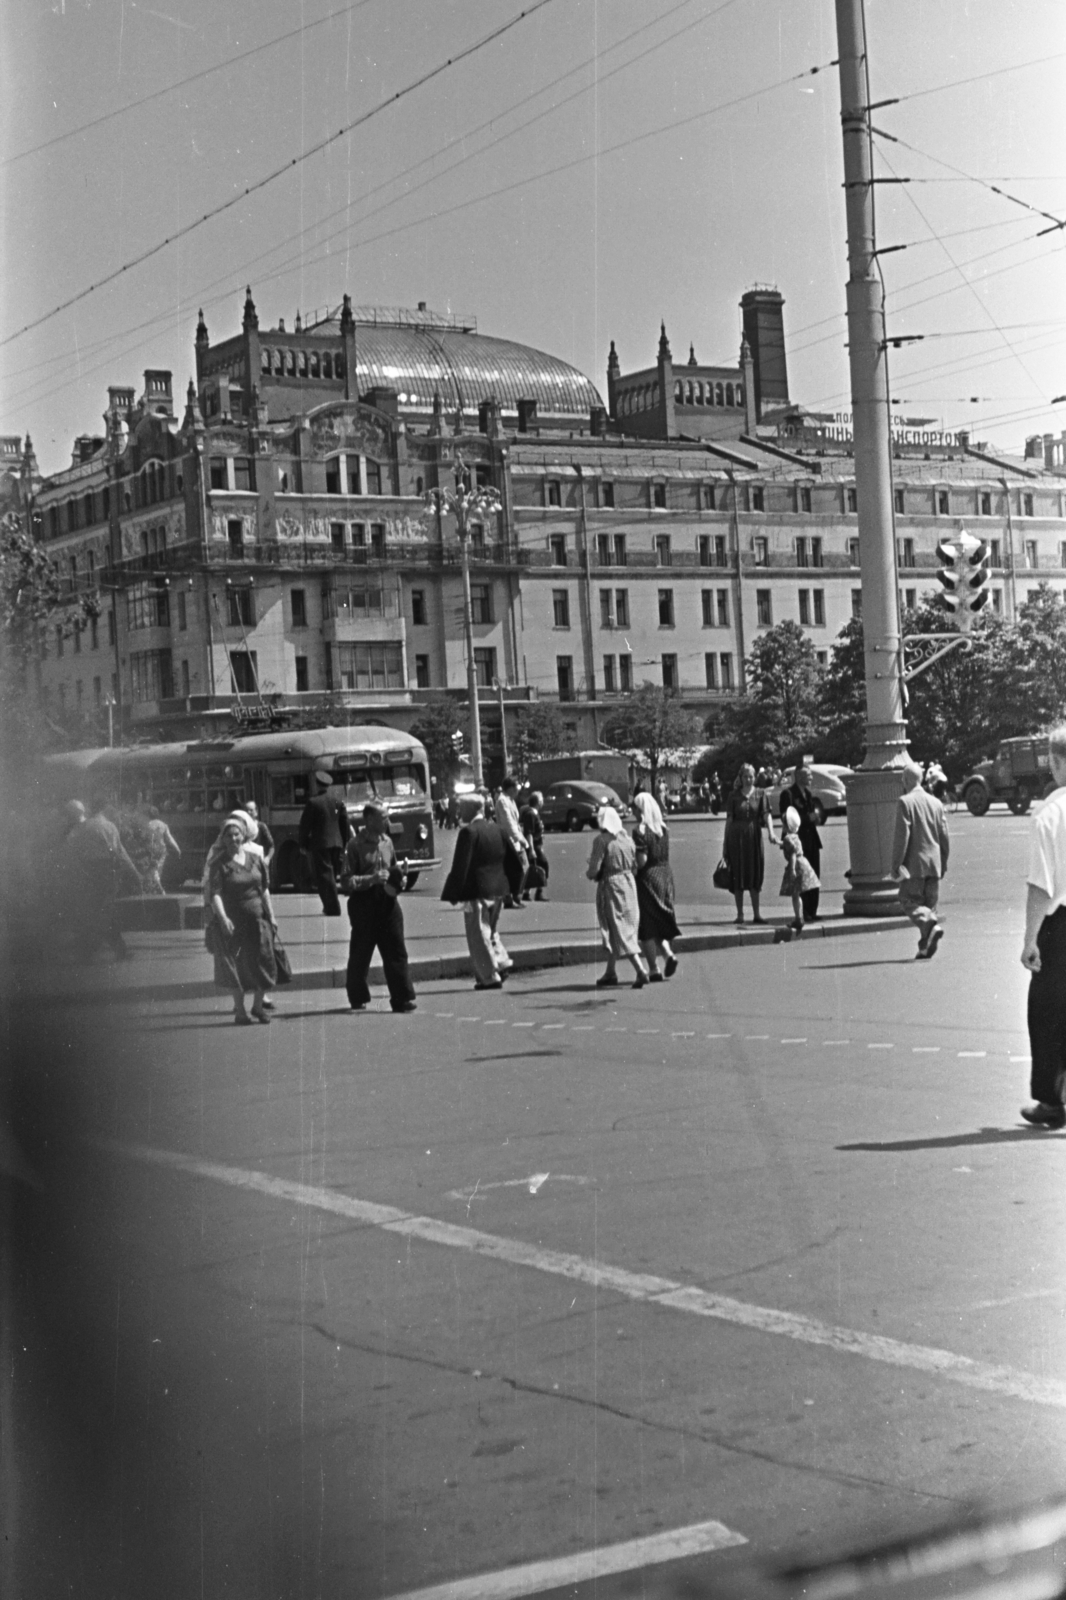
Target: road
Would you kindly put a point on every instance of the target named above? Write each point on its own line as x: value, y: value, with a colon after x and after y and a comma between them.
x: 359, y: 1304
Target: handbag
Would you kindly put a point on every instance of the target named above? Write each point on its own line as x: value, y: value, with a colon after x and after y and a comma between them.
x: 215, y: 941
x: 281, y: 960
x: 722, y: 877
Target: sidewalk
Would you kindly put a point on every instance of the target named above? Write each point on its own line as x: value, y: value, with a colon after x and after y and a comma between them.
x: 175, y: 965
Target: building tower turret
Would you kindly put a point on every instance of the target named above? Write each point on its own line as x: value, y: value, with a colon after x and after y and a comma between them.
x: 665, y: 364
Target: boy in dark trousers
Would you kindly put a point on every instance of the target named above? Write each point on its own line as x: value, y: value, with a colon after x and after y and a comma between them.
x: 372, y: 879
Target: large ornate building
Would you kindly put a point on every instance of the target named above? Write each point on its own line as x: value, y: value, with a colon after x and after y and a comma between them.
x: 271, y: 546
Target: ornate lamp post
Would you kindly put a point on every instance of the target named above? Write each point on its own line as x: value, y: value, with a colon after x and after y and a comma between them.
x: 468, y: 505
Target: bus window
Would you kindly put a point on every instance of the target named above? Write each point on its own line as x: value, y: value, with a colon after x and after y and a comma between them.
x: 358, y: 788
x: 299, y: 789
x: 196, y: 800
x: 281, y: 792
x: 216, y: 800
x: 397, y: 782
x: 234, y: 799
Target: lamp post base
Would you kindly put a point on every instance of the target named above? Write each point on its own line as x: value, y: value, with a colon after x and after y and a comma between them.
x: 872, y: 797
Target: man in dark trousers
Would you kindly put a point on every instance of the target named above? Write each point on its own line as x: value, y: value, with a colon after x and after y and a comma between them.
x: 1044, y: 950
x: 799, y: 796
x: 372, y: 879
x: 533, y: 828
x: 324, y: 832
x: 920, y: 849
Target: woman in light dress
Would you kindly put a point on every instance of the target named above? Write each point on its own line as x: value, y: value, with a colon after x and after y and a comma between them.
x: 655, y: 888
x: 611, y: 867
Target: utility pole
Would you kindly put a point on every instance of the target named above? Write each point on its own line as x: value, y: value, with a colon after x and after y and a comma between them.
x: 471, y: 664
x: 874, y: 790
x: 503, y: 727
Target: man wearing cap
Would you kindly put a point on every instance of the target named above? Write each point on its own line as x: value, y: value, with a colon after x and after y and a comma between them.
x: 1044, y: 950
x: 373, y: 880
x: 324, y: 833
x: 920, y: 849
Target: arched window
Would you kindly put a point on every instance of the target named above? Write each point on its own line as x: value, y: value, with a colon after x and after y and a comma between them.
x: 679, y: 390
x: 718, y: 395
x: 279, y: 363
x: 314, y: 364
x: 729, y: 394
x: 688, y: 392
x: 290, y: 363
x: 303, y: 363
x: 699, y: 394
x: 327, y: 364
x: 338, y: 369
x: 265, y: 359
x: 740, y: 394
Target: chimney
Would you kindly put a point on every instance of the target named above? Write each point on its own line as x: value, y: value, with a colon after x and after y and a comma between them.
x: 157, y: 395
x: 527, y: 416
x: 763, y: 312
x: 488, y: 417
x: 598, y: 421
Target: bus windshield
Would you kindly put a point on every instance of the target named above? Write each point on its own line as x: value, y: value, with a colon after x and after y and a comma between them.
x: 380, y: 783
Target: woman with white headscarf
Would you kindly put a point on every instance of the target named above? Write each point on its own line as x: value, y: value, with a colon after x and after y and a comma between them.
x: 655, y: 887
x: 611, y: 866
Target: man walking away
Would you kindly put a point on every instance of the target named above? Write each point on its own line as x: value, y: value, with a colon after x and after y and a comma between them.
x: 478, y: 882
x: 372, y: 879
x: 97, y: 871
x: 509, y: 822
x: 1044, y: 951
x: 533, y: 829
x: 324, y: 833
x: 921, y: 850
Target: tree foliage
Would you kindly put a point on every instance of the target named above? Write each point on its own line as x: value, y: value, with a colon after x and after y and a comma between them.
x: 436, y: 724
x: 652, y: 723
x: 779, y: 718
x: 538, y: 731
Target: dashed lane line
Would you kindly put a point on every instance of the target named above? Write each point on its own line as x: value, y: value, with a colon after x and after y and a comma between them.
x: 880, y: 1047
x: 925, y: 1050
x: 1010, y: 1382
x: 537, y: 1577
x: 972, y: 1055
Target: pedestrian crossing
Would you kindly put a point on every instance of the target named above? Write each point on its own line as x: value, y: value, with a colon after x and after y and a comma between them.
x: 784, y: 1041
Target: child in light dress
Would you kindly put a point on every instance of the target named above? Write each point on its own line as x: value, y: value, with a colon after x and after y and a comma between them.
x: 799, y: 874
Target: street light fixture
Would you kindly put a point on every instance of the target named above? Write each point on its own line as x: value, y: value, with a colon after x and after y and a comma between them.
x: 467, y: 502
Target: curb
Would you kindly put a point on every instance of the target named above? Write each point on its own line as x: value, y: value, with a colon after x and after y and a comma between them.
x: 531, y: 958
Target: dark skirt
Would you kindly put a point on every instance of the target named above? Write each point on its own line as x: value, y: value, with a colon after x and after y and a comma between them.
x: 246, y: 960
x: 743, y: 851
x: 655, y: 891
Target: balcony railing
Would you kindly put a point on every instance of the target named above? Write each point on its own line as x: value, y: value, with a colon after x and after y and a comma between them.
x: 299, y: 553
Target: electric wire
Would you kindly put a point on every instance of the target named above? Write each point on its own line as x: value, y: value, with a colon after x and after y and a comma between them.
x: 181, y: 83
x: 288, y: 166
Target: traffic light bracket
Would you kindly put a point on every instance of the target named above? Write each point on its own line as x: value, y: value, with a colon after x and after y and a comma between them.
x: 947, y: 642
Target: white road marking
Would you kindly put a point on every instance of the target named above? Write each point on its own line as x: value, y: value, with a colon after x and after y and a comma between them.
x: 647, y: 1030
x: 585, y: 1567
x: 682, y: 1035
x: 835, y: 1041
x: 521, y: 1024
x: 748, y: 1036
x: 494, y: 1022
x: 534, y: 1182
x: 880, y: 1047
x: 583, y: 1027
x: 1026, y: 1059
x: 972, y: 1055
x: 444, y: 1013
x: 468, y: 1019
x: 793, y: 1041
x: 547, y: 1026
x: 719, y: 1035
x: 925, y: 1050
x: 640, y: 1286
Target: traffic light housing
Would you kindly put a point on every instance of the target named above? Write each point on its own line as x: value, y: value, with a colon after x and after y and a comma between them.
x: 457, y: 740
x: 963, y: 578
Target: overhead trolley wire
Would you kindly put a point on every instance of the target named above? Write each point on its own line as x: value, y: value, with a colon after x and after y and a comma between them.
x: 181, y: 83
x: 288, y: 166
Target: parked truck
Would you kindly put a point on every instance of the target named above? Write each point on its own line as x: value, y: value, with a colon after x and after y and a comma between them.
x: 1018, y: 774
x: 601, y: 766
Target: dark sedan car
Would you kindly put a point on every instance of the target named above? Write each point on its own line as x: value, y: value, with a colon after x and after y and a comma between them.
x: 572, y: 805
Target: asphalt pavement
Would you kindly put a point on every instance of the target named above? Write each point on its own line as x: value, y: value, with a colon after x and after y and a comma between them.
x: 759, y: 1262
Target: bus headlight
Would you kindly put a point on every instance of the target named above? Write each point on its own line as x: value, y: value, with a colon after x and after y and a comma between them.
x: 422, y: 833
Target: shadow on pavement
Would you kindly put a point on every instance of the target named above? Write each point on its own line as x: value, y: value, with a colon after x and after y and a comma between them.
x: 953, y: 1141
x: 836, y: 966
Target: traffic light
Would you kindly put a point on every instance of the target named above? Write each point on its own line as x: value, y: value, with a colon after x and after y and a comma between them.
x: 457, y: 740
x: 963, y: 578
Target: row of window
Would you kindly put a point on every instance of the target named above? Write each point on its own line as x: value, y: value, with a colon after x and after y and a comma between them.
x: 284, y: 363
x: 687, y: 392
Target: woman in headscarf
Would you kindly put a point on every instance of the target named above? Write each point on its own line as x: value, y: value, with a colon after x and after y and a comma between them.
x: 747, y: 813
x: 244, y: 920
x: 611, y: 866
x: 655, y: 887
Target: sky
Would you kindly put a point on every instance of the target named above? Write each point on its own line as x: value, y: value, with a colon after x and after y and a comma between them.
x: 599, y: 167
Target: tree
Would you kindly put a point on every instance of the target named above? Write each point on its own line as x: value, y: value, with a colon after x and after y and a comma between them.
x: 653, y: 724
x: 778, y: 718
x: 33, y: 599
x: 538, y: 731
x: 842, y: 699
x: 435, y: 726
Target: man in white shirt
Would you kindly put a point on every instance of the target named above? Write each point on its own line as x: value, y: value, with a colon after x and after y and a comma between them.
x: 509, y: 823
x: 1044, y: 951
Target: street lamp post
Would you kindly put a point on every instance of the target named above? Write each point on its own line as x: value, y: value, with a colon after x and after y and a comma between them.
x: 467, y: 503
x: 874, y: 790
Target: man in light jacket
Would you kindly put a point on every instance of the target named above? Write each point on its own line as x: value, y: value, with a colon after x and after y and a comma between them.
x: 509, y: 822
x: 920, y: 849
